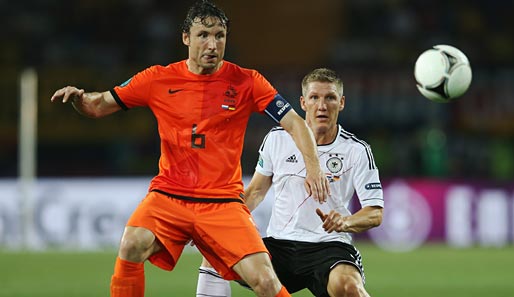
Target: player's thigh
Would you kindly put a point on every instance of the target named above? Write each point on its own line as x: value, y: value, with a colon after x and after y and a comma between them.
x: 344, y: 273
x: 225, y: 234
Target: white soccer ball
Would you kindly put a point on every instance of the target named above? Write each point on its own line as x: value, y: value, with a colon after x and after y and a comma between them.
x: 442, y: 73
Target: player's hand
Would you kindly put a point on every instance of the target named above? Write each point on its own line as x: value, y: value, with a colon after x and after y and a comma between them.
x: 317, y: 186
x: 333, y: 221
x: 67, y: 94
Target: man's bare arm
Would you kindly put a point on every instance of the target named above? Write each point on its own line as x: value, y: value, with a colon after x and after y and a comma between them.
x: 93, y: 105
x: 257, y: 189
x: 366, y: 218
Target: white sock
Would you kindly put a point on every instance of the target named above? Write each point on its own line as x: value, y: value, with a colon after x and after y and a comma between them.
x: 211, y: 284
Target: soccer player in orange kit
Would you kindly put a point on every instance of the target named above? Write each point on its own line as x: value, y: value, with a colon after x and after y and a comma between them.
x: 202, y: 106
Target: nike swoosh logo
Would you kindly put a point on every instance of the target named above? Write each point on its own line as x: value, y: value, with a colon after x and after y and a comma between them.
x: 170, y: 91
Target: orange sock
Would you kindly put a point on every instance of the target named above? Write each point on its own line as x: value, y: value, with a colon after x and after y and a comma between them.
x: 128, y: 279
x: 283, y: 293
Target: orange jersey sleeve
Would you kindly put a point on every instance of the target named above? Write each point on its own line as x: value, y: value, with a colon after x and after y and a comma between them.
x: 201, y: 121
x: 136, y: 90
x: 261, y: 91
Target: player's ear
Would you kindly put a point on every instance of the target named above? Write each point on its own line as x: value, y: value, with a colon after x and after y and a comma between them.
x: 341, y: 107
x: 302, y: 103
x: 185, y: 38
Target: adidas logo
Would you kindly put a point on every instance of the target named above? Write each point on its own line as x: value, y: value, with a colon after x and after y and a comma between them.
x: 292, y: 159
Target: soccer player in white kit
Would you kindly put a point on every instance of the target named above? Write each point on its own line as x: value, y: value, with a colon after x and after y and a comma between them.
x: 311, y: 243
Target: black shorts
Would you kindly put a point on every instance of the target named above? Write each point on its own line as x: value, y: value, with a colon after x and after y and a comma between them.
x: 301, y: 265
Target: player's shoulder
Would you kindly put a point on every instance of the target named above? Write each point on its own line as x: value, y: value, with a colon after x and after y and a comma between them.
x: 275, y: 135
x: 241, y: 71
x: 350, y: 139
x: 160, y: 69
x: 179, y: 66
x: 357, y: 148
x: 278, y: 131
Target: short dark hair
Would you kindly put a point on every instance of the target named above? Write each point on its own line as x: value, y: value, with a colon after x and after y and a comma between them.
x: 203, y: 10
x: 322, y: 75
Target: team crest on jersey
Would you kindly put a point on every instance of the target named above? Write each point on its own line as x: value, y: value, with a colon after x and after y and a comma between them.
x: 231, y: 92
x: 335, y: 166
x: 229, y: 101
x: 334, y: 163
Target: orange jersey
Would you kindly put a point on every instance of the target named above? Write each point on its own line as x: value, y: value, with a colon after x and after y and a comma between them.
x: 202, y: 121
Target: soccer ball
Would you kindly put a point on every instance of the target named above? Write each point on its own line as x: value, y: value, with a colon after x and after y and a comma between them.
x: 442, y: 73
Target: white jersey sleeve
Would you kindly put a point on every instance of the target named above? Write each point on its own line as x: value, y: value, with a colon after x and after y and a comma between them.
x: 265, y: 165
x: 366, y: 179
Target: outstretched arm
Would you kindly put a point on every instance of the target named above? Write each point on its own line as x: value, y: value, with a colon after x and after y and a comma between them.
x: 316, y: 183
x: 93, y: 105
x: 364, y: 219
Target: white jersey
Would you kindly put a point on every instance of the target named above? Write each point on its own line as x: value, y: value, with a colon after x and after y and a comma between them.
x: 349, y: 166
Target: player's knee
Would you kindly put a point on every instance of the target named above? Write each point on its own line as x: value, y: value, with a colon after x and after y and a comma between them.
x: 131, y: 248
x: 264, y: 282
x: 135, y: 246
x: 345, y: 286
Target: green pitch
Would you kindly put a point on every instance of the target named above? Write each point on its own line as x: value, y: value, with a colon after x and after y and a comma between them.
x: 433, y: 270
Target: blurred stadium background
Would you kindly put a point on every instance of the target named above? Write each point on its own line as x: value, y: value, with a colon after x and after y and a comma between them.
x: 447, y: 168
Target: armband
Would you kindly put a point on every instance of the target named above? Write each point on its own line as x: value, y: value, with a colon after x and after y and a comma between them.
x: 118, y: 100
x: 278, y: 108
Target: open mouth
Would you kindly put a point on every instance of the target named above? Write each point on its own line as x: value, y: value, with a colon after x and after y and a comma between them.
x: 210, y: 57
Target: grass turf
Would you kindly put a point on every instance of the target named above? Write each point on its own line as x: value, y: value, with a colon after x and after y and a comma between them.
x: 433, y: 270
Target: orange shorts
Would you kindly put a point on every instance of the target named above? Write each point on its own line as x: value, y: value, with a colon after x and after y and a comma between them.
x: 223, y: 232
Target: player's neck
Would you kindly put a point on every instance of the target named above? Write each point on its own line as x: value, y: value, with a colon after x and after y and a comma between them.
x: 199, y: 70
x: 325, y: 136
